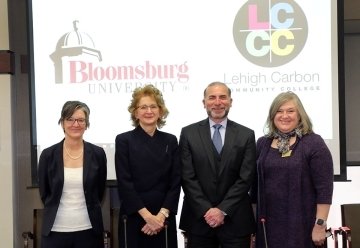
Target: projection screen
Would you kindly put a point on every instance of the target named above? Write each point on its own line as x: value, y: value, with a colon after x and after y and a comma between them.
x: 100, y: 51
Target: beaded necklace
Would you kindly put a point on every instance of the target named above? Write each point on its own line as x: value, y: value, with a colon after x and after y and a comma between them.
x: 72, y: 157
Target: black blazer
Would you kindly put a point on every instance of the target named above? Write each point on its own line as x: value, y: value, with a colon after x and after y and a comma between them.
x: 210, y: 180
x: 148, y: 175
x: 51, y: 182
x: 147, y: 171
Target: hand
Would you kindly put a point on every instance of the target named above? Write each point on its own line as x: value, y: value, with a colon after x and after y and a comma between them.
x: 153, y: 225
x: 319, y: 235
x: 148, y: 230
x: 214, y: 217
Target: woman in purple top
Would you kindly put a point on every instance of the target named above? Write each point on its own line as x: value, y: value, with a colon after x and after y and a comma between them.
x: 295, y: 179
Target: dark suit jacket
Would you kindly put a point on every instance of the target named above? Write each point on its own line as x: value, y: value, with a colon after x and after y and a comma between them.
x: 51, y: 182
x: 210, y: 180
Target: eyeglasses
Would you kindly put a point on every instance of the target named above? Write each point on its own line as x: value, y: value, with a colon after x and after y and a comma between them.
x: 152, y: 107
x: 72, y: 121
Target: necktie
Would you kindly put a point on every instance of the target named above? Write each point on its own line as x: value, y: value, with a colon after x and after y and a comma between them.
x: 217, y: 138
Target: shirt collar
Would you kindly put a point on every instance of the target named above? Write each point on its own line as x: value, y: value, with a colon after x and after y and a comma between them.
x: 223, y: 123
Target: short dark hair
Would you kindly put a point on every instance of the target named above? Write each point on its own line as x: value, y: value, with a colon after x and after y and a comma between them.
x: 70, y: 107
x: 217, y: 83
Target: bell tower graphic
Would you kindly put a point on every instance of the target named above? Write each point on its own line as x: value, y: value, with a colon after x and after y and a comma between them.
x: 73, y: 45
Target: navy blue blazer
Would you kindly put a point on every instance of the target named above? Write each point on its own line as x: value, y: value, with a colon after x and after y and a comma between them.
x: 210, y: 180
x: 148, y: 175
x: 51, y: 182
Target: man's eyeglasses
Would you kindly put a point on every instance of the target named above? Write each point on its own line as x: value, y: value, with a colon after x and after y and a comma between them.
x: 152, y: 107
x: 72, y: 121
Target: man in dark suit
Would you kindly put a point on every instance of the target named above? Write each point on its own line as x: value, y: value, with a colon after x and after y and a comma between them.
x: 217, y: 209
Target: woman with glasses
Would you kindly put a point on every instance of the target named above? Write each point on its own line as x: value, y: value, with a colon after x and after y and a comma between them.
x: 295, y: 178
x: 148, y: 175
x: 72, y: 177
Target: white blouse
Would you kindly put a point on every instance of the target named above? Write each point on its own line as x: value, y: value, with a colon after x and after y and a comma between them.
x: 72, y: 214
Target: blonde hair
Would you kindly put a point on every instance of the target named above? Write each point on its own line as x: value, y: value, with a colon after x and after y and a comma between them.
x: 151, y: 91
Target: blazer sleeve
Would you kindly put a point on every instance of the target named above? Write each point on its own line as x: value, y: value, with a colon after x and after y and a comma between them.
x: 44, y: 187
x: 321, y: 167
x: 102, y: 160
x: 126, y: 188
x: 50, y: 174
x: 172, y: 196
x: 194, y: 194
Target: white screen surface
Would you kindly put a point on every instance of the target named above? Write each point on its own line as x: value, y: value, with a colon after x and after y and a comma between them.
x: 98, y: 52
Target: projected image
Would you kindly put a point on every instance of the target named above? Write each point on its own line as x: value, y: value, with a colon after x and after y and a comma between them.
x: 98, y: 52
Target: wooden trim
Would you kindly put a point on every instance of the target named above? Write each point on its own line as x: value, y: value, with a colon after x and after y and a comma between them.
x: 7, y: 62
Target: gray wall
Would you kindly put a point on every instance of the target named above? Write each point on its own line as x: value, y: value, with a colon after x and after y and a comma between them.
x: 352, y: 99
x: 6, y: 169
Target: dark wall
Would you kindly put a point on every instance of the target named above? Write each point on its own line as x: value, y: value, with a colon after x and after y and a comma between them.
x: 25, y: 198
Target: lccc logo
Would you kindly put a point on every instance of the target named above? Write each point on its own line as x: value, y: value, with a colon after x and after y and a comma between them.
x: 270, y: 33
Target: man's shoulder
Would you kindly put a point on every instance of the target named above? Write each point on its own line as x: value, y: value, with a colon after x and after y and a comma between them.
x: 196, y: 124
x: 233, y: 124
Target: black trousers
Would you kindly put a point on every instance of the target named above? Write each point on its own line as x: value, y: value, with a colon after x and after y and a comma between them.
x: 218, y: 240
x: 79, y: 239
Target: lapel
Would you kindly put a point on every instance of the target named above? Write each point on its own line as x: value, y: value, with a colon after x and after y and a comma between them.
x: 60, y: 160
x: 230, y: 139
x: 205, y: 136
x: 87, y: 161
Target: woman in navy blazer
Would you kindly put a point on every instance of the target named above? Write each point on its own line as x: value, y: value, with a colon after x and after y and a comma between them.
x: 148, y: 173
x: 72, y: 178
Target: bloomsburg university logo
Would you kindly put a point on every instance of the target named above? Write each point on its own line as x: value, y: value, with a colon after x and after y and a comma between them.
x: 76, y: 60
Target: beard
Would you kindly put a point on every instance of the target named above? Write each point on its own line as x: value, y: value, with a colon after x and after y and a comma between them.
x: 219, y: 116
